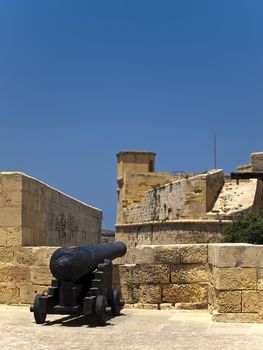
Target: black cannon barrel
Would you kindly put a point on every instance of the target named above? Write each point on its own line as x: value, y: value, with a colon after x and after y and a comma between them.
x: 70, y: 264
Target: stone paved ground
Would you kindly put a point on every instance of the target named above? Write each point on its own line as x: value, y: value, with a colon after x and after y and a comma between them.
x: 135, y: 329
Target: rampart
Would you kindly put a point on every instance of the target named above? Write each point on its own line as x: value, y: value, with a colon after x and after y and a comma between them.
x: 160, y: 208
x: 34, y: 220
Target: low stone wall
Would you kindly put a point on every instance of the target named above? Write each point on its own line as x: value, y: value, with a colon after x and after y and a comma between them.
x: 226, y: 278
x: 24, y: 272
x: 236, y: 284
x: 165, y: 277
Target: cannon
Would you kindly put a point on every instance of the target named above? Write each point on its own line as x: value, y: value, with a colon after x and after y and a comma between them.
x: 82, y: 283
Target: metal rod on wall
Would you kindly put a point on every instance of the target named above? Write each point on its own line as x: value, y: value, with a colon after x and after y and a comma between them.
x: 214, y: 151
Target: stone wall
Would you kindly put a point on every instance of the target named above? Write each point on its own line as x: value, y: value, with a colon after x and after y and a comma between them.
x: 34, y: 214
x: 226, y: 278
x: 24, y: 272
x: 165, y: 277
x: 132, y: 188
x: 236, y: 283
x: 188, y: 198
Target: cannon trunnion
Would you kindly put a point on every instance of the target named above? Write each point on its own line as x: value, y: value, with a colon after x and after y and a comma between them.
x: 82, y: 283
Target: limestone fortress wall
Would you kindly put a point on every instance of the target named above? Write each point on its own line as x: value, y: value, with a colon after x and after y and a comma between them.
x: 160, y: 208
x: 35, y: 219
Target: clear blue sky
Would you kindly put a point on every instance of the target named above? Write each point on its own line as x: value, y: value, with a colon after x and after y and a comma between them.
x: 82, y: 80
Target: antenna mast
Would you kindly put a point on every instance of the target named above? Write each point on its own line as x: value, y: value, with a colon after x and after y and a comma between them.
x: 214, y: 151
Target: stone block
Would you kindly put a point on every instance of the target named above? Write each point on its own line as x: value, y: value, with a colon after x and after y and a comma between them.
x: 40, y: 275
x: 190, y: 306
x: 260, y: 279
x: 252, y: 301
x: 10, y: 217
x: 144, y: 254
x: 186, y: 293
x: 166, y: 306
x: 172, y: 254
x: 125, y: 274
x: 257, y: 161
x: 11, y: 199
x: 11, y: 181
x: 29, y: 291
x: 13, y: 236
x: 211, y: 295
x: 2, y: 237
x: 23, y: 256
x: 235, y: 255
x: 33, y: 255
x: 130, y: 293
x: 227, y: 301
x: 6, y: 255
x: 151, y: 274
x: 15, y: 274
x: 235, y: 278
x: 42, y: 255
x: 191, y: 254
x: 189, y: 273
x: 9, y: 295
x: 237, y: 317
x: 146, y: 306
x: 150, y: 293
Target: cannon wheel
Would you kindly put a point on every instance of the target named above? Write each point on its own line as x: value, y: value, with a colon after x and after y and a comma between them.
x: 100, y: 310
x: 40, y: 317
x: 116, y: 302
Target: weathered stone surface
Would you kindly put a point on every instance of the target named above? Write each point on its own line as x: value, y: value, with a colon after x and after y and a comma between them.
x: 6, y: 255
x: 15, y: 274
x: 13, y: 236
x: 144, y: 254
x: 40, y: 275
x: 252, y: 301
x: 145, y: 306
x: 257, y: 161
x: 2, y: 237
x: 237, y: 317
x: 235, y: 255
x: 29, y: 291
x: 166, y: 306
x: 40, y: 215
x: 190, y: 273
x: 125, y: 274
x: 190, y: 306
x: 172, y: 254
x: 151, y: 274
x: 260, y: 279
x: 33, y: 255
x: 11, y: 181
x: 10, y: 198
x: 10, y: 216
x: 235, y: 278
x: 149, y: 293
x: 227, y: 301
x: 9, y: 295
x: 181, y: 253
x: 188, y: 293
x: 130, y: 293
